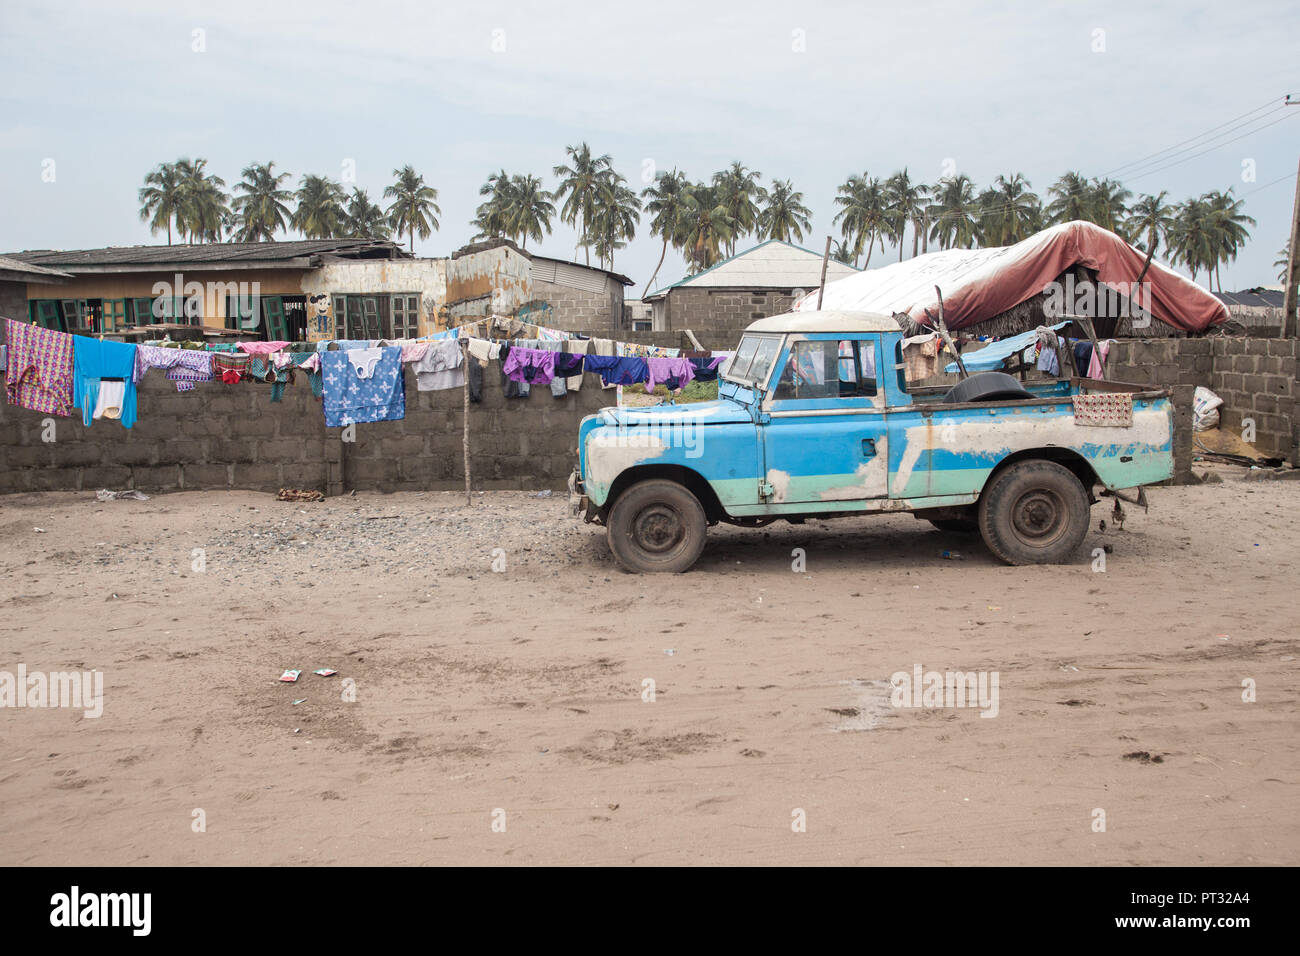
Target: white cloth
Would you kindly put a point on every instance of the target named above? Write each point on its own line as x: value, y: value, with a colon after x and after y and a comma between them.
x: 112, y: 393
x: 363, y: 361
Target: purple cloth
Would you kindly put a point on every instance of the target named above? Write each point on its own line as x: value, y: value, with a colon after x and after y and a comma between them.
x: 185, y: 367
x: 534, y: 366
x: 675, y: 372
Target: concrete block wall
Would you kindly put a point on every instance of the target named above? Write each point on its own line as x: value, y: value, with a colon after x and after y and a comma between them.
x: 719, y: 317
x: 234, y: 436
x: 576, y: 310
x: 1256, y: 378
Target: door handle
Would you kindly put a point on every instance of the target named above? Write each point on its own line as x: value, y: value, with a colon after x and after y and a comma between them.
x: 868, y: 447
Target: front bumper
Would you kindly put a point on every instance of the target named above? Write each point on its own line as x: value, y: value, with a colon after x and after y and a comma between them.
x: 579, y: 504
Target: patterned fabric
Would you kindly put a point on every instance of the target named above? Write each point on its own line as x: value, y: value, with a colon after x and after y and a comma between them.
x: 231, y: 368
x: 185, y: 367
x: 1106, y: 409
x: 348, y: 398
x: 262, y: 348
x: 39, y: 371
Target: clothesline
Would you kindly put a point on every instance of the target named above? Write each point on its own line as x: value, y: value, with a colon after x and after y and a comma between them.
x: 357, y: 381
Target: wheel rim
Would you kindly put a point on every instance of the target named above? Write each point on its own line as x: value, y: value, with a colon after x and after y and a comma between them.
x: 658, y: 529
x: 1038, y: 518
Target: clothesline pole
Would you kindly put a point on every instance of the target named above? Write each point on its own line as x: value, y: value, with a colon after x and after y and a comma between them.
x: 464, y: 346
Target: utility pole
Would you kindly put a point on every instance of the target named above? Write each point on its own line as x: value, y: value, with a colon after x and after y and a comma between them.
x: 1293, y: 260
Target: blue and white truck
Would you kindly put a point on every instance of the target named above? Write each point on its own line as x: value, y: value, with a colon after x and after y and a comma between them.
x: 815, y: 418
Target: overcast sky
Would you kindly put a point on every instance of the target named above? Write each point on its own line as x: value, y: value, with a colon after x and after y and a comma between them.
x: 810, y: 91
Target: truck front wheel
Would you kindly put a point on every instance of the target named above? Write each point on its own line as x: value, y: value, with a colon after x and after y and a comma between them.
x: 656, y: 525
x: 1034, y: 512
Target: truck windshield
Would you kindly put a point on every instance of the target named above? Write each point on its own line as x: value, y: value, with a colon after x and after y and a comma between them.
x: 753, y: 360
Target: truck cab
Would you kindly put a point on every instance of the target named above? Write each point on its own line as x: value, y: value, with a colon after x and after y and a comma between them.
x: 815, y: 417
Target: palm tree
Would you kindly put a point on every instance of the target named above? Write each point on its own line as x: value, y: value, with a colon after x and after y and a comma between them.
x: 667, y: 201
x: 1191, y: 240
x: 1149, y: 221
x: 842, y: 252
x: 204, y: 208
x: 160, y: 199
x: 1109, y: 204
x: 905, y: 201
x: 364, y: 219
x: 530, y: 209
x: 261, y: 211
x: 862, y: 213
x: 319, y: 213
x: 1072, y: 199
x: 415, y: 206
x: 1227, y: 228
x: 492, y: 218
x: 784, y: 215
x: 1283, y: 262
x: 580, y: 185
x: 740, y: 193
x: 1009, y: 211
x: 707, y: 227
x: 617, y: 213
x: 953, y: 213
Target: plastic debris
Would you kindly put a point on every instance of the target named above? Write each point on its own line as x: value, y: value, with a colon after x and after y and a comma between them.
x: 103, y: 494
x: 544, y: 494
x: 950, y: 555
x: 325, y: 672
x: 300, y: 700
x: 290, y: 676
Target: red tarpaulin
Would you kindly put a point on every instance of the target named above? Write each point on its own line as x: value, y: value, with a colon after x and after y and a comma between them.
x: 982, y: 283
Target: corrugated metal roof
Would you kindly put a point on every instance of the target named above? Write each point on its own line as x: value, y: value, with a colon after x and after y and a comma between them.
x: 26, y: 268
x: 769, y: 265
x: 212, y: 252
x: 1256, y: 298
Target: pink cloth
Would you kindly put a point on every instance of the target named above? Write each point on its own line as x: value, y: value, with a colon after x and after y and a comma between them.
x: 39, y: 374
x: 665, y: 368
x: 262, y: 348
x: 414, y: 351
x: 1094, y: 367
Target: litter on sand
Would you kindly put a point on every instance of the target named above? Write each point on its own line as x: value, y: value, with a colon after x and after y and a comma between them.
x: 289, y: 677
x: 300, y: 700
x: 325, y: 672
x: 298, y: 494
x: 103, y: 494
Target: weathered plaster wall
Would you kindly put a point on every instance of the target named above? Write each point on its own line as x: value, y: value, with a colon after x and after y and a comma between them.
x: 428, y: 277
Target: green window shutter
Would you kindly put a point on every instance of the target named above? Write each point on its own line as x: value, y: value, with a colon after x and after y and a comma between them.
x: 114, y: 314
x: 277, y: 329
x: 47, y: 314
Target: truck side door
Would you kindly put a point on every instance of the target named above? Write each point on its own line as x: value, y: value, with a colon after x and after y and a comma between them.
x: 823, y: 423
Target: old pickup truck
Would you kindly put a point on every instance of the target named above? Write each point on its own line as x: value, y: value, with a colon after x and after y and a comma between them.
x: 815, y: 418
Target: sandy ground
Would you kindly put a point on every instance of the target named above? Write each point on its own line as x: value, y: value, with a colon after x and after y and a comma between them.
x: 521, y: 691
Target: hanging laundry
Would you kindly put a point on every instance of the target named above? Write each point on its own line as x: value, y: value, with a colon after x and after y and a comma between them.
x: 1098, y: 359
x: 349, y: 398
x: 414, y: 351
x: 675, y: 372
x: 617, y: 369
x: 1082, y: 358
x: 921, y: 356
x: 483, y: 349
x: 38, y: 375
x: 185, y: 367
x: 706, y: 369
x: 231, y: 367
x: 309, y: 362
x: 441, y: 367
x: 475, y: 373
x: 92, y: 362
x: 262, y: 348
x: 576, y: 348
x: 531, y: 366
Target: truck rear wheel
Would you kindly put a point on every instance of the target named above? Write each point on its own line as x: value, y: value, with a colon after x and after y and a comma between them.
x: 1034, y: 512
x: 655, y: 526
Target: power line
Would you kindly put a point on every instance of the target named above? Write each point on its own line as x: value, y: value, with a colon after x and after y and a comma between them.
x: 1139, y: 162
x: 1211, y: 149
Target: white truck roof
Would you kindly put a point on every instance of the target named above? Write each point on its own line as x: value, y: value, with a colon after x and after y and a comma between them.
x: 826, y: 321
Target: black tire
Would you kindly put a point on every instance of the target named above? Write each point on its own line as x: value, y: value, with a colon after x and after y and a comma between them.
x: 656, y: 526
x: 987, y: 387
x: 1034, y: 512
x: 956, y: 525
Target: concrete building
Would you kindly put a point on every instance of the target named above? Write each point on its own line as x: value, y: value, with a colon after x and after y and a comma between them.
x: 719, y: 302
x: 14, y: 276
x: 309, y: 290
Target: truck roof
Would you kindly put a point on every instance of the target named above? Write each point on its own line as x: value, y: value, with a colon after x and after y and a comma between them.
x: 826, y: 321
